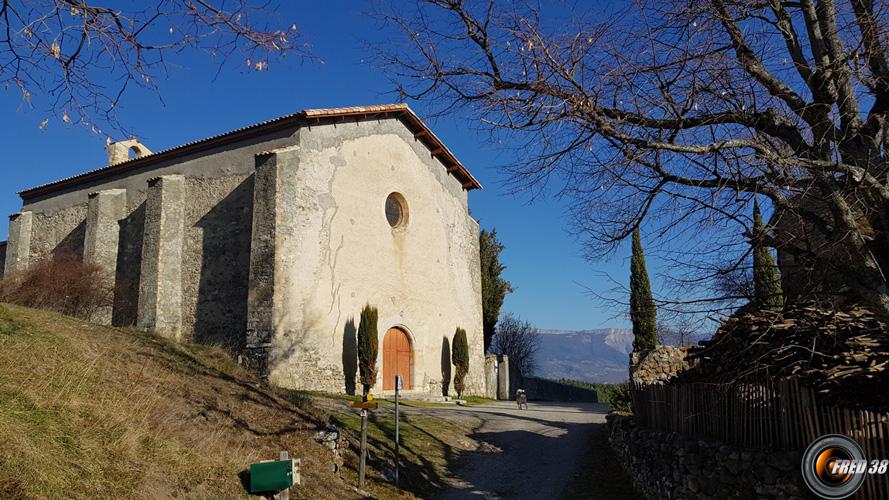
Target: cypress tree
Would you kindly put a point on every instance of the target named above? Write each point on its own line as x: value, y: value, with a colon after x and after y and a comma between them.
x: 494, y: 288
x: 643, y: 313
x: 766, y: 282
x: 460, y: 358
x: 368, y: 347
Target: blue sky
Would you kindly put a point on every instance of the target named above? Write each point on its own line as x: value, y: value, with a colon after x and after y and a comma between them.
x: 543, y: 261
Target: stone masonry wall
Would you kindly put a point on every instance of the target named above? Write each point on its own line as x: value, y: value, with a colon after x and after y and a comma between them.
x: 2, y: 257
x: 667, y: 466
x: 58, y: 232
x: 218, y: 179
x: 216, y: 259
x: 658, y: 365
x: 129, y: 261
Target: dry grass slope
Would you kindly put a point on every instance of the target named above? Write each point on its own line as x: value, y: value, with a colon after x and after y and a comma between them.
x: 94, y: 412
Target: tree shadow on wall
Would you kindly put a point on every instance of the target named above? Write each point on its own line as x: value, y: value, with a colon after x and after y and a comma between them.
x: 445, y: 366
x: 129, y: 267
x: 72, y: 244
x: 350, y: 355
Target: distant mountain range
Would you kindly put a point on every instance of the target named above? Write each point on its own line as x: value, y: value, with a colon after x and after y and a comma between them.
x: 600, y: 356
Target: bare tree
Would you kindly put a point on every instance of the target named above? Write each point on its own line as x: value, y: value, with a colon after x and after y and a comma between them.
x: 678, y: 113
x: 736, y: 282
x: 81, y: 56
x: 682, y: 332
x: 518, y: 340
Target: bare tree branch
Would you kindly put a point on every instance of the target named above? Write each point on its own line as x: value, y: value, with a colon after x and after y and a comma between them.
x: 675, y: 114
x: 78, y: 57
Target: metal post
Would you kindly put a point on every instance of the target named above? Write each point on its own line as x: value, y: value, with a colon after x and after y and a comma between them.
x: 397, y: 429
x: 363, y: 451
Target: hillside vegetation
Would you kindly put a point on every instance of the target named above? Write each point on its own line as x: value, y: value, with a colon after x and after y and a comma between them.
x: 95, y: 412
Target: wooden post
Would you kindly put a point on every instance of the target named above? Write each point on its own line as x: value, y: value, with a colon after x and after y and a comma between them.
x: 363, y: 452
x: 283, y: 494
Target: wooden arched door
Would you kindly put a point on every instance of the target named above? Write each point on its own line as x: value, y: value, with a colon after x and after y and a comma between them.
x: 398, y: 358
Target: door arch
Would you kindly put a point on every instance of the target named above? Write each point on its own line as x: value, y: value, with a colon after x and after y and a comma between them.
x: 398, y: 359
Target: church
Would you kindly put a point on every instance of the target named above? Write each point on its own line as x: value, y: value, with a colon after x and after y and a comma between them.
x: 270, y: 239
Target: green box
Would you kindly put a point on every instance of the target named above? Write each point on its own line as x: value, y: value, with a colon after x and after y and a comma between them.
x: 271, y: 476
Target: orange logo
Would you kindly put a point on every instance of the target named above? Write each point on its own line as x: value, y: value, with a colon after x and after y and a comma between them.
x: 829, y: 466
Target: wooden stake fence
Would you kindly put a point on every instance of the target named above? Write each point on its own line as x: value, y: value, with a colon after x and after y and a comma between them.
x: 774, y: 415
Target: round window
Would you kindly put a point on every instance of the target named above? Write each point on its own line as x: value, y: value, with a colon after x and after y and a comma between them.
x: 396, y: 210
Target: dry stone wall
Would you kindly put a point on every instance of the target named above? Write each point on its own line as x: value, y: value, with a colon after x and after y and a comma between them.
x: 667, y: 466
x: 658, y: 365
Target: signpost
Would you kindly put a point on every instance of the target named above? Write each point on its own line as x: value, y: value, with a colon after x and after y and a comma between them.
x: 398, y: 385
x: 364, y: 406
x: 363, y: 449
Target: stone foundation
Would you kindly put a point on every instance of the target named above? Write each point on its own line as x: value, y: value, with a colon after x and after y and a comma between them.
x: 667, y: 466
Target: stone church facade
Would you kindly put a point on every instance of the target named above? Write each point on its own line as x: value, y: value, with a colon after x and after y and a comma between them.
x: 271, y: 238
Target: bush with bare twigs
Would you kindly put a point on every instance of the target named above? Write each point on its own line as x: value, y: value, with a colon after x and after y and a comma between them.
x: 63, y: 283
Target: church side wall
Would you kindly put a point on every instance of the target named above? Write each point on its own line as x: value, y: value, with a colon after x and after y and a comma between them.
x: 216, y: 246
x: 336, y: 253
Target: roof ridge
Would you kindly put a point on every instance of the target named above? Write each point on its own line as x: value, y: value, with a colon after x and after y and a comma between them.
x: 423, y: 134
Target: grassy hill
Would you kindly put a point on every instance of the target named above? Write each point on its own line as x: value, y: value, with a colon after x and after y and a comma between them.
x: 95, y: 412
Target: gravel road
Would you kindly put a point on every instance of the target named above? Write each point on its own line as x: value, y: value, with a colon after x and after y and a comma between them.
x: 542, y: 449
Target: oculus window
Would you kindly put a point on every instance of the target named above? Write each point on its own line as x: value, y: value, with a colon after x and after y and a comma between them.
x: 396, y: 210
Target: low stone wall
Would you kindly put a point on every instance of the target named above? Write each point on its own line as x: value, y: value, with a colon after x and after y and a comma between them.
x: 665, y: 466
x: 658, y: 365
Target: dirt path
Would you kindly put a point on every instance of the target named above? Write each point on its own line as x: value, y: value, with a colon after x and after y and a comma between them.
x: 543, y: 448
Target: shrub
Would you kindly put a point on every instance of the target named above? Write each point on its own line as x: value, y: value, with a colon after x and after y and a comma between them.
x: 460, y: 358
x: 368, y: 347
x: 620, y: 398
x: 616, y: 395
x: 62, y: 283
